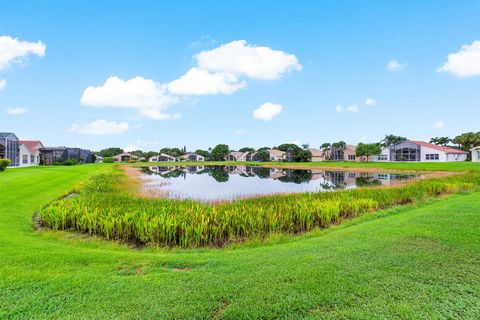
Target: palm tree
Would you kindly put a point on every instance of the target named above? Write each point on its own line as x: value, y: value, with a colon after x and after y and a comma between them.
x: 305, y: 146
x: 391, y: 140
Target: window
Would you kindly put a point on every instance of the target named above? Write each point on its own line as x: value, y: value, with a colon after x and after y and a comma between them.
x: 351, y: 157
x: 432, y: 156
x: 25, y: 159
x: 382, y: 157
x: 32, y: 159
x: 381, y: 176
x: 351, y: 175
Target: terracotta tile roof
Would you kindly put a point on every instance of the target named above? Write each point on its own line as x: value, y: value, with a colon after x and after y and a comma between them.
x: 316, y: 152
x: 435, y: 147
x: 31, y: 145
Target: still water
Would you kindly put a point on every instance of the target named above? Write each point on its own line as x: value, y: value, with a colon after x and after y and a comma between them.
x: 228, y: 183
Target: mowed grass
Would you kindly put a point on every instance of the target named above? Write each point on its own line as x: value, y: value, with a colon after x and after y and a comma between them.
x: 404, y: 263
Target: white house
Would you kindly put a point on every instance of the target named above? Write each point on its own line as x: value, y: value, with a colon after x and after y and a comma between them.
x: 425, y: 152
x: 123, y: 157
x: 190, y: 156
x: 30, y: 153
x: 476, y: 154
x: 162, y: 157
x: 384, y: 156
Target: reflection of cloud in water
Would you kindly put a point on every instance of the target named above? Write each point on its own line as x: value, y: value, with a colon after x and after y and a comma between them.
x: 226, y: 183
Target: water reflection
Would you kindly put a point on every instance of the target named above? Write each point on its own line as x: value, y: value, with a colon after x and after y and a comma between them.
x: 214, y: 183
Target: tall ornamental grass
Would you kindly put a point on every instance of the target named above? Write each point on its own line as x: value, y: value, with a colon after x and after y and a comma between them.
x: 103, y: 207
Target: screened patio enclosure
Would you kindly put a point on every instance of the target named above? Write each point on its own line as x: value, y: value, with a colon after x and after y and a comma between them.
x: 405, y: 151
x: 10, y: 148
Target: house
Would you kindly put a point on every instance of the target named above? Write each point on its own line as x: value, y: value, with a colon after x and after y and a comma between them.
x: 276, y: 155
x: 412, y: 150
x: 317, y: 154
x: 162, y: 157
x: 476, y: 154
x: 124, y: 157
x: 30, y: 153
x: 239, y: 156
x: 190, y: 156
x: 10, y: 148
x: 348, y: 153
x: 50, y: 155
x: 384, y: 156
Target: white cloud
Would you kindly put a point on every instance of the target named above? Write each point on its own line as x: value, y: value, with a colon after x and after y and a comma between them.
x: 200, y: 82
x: 267, y: 111
x: 339, y: 109
x: 370, y: 102
x: 3, y: 84
x: 202, y: 42
x: 464, y: 63
x: 240, y: 132
x: 13, y: 50
x: 100, y: 127
x: 439, y: 124
x: 395, y: 66
x: 353, y: 108
x: 240, y: 58
x: 146, y: 95
x: 17, y: 111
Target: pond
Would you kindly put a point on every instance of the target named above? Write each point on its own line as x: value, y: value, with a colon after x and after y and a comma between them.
x: 228, y: 183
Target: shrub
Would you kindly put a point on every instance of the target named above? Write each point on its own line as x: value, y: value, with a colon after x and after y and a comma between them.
x: 70, y: 162
x: 4, y: 163
x: 132, y: 161
x: 108, y: 160
x: 104, y: 207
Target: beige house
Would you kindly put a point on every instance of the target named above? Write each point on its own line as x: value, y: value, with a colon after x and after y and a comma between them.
x: 190, y: 156
x: 276, y: 155
x: 123, y: 157
x: 317, y: 154
x: 345, y: 154
x: 162, y: 157
x: 30, y: 153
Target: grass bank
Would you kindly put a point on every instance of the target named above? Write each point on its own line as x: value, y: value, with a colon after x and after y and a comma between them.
x: 411, y: 262
x: 105, y: 208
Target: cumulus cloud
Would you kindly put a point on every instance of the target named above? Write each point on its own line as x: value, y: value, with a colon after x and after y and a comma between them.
x: 201, y: 82
x: 339, y: 109
x: 17, y: 111
x: 240, y: 58
x: 395, y: 66
x: 131, y: 147
x: 440, y: 124
x: 3, y: 84
x: 99, y: 127
x: 464, y: 63
x: 267, y: 111
x: 146, y: 95
x: 370, y: 102
x: 353, y: 108
x: 13, y: 50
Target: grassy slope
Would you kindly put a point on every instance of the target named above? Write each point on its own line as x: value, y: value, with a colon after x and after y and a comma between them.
x: 405, y: 263
x: 413, y: 166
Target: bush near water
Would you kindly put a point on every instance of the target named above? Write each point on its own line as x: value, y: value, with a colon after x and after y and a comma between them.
x: 104, y: 207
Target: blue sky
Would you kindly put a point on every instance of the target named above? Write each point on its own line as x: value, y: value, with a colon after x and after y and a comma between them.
x: 300, y: 60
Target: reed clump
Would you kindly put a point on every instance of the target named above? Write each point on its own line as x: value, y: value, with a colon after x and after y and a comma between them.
x: 104, y: 207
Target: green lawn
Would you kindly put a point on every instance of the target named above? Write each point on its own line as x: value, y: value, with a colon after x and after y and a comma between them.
x: 408, y: 262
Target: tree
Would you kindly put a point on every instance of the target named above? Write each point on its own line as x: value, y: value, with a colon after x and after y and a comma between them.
x: 109, y: 152
x: 302, y: 156
x: 441, y: 141
x: 391, y: 140
x: 325, y: 146
x: 468, y: 140
x: 368, y: 149
x: 287, y: 147
x: 174, y: 152
x: 220, y: 152
x: 305, y: 146
x: 247, y: 149
x: 263, y: 155
x: 203, y: 153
